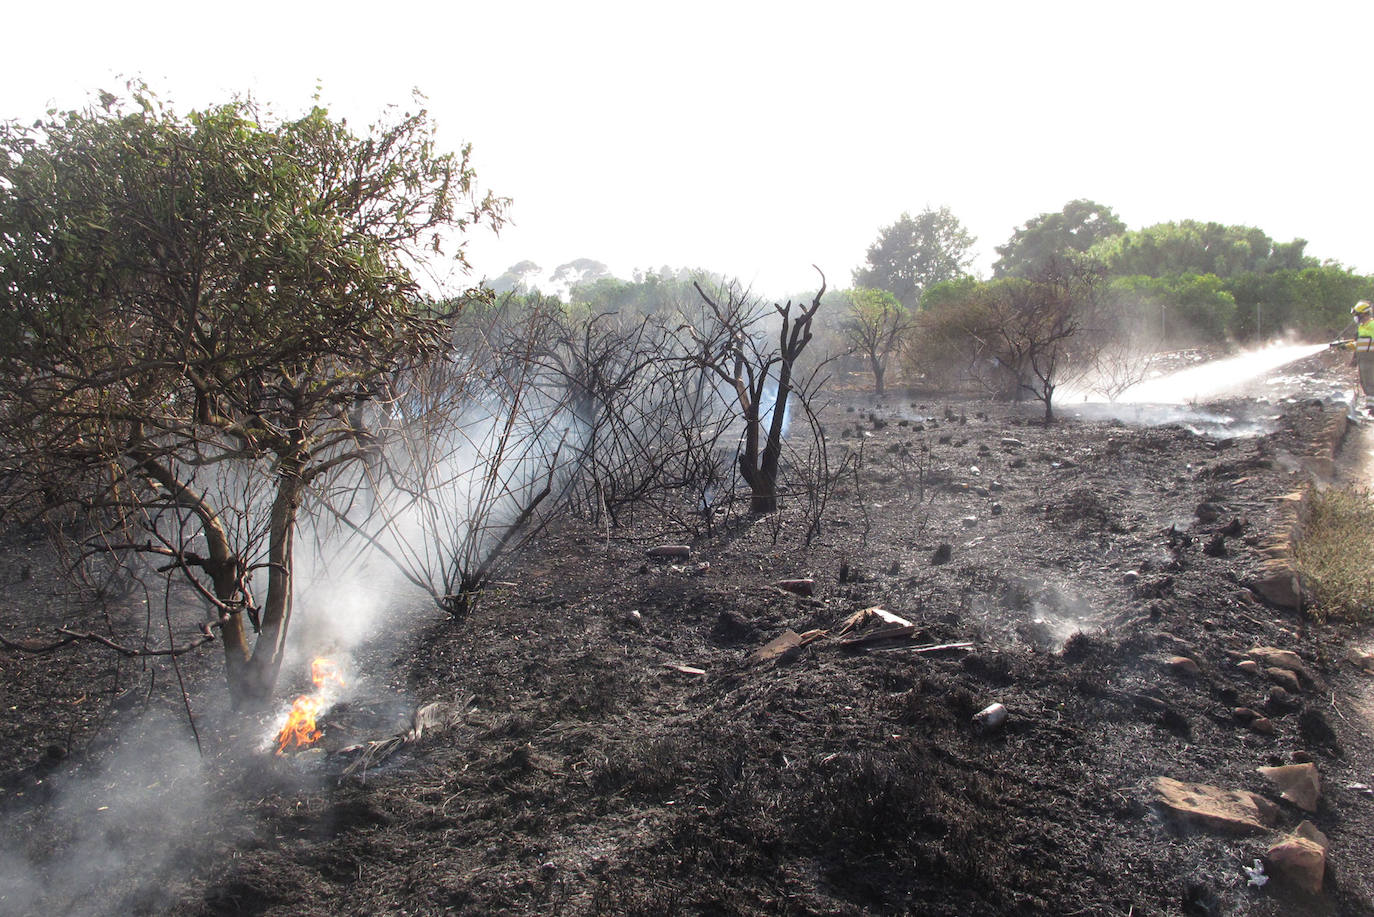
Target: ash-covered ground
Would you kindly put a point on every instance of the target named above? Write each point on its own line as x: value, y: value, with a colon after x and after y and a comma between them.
x: 623, y: 749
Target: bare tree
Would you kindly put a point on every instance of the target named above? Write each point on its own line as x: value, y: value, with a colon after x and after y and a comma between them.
x: 759, y: 376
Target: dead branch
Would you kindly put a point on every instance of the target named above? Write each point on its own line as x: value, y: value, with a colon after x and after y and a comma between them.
x: 72, y: 636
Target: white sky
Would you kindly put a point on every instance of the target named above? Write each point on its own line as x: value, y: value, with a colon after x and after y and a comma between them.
x: 755, y: 139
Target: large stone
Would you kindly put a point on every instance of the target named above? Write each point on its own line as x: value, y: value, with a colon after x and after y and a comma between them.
x: 1300, y: 784
x: 1231, y: 811
x: 1283, y: 659
x: 1301, y: 857
x: 1278, y: 584
x: 1283, y: 678
x: 1182, y: 665
x: 1360, y: 659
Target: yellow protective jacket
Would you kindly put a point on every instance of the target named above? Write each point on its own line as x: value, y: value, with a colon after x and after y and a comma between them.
x: 1364, y: 336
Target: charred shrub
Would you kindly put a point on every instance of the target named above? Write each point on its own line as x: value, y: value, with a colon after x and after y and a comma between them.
x: 915, y: 815
x: 649, y: 769
x: 991, y: 667
x: 1084, y: 511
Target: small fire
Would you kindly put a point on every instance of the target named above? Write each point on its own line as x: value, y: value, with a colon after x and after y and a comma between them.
x: 300, y: 730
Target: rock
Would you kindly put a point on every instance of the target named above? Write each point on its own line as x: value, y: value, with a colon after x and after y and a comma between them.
x: 1300, y: 857
x: 1283, y: 678
x: 1230, y: 811
x: 969, y: 521
x: 1263, y: 725
x: 1245, y: 714
x: 1278, y: 584
x: 1300, y: 784
x: 1272, y: 656
x: 670, y: 552
x: 1182, y: 665
x: 1301, y: 757
x: 1208, y: 512
x: 1248, y: 666
x: 996, y: 509
x: 803, y: 587
x: 1280, y: 701
x: 1130, y: 577
x: 1360, y: 659
x: 1012, y: 442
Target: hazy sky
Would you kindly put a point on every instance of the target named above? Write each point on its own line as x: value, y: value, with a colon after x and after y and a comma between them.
x: 755, y: 139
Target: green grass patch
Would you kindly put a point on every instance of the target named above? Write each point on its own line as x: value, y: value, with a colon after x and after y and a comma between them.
x: 1335, y: 553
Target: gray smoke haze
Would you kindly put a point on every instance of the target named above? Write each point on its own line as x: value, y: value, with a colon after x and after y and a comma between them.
x: 108, y: 840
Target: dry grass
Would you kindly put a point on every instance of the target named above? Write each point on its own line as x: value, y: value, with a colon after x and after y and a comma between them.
x: 1335, y: 555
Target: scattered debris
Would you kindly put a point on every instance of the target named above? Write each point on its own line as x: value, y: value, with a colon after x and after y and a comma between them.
x: 990, y: 718
x: 433, y: 717
x: 1231, y: 811
x: 1300, y: 784
x: 786, y: 646
x: 1255, y: 874
x: 860, y: 618
x: 1301, y: 857
x: 684, y: 669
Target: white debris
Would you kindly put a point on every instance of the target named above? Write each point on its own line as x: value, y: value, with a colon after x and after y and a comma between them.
x: 1256, y: 874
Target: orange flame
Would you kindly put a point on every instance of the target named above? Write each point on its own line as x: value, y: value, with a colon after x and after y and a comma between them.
x: 300, y: 730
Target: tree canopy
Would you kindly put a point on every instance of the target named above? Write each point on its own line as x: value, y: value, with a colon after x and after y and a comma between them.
x: 915, y: 253
x: 1075, y: 229
x: 1193, y: 247
x: 209, y: 303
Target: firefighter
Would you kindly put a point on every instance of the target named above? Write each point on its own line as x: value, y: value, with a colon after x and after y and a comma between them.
x: 1363, y: 317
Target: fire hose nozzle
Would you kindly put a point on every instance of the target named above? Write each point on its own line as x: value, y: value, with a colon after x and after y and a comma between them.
x: 1338, y: 344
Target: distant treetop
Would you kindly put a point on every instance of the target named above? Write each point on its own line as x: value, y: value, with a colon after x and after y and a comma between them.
x: 1073, y: 230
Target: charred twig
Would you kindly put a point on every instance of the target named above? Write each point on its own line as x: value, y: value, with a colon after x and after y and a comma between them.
x: 72, y: 636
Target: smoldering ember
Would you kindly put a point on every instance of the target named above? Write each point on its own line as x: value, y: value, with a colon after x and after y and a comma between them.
x: 1044, y: 594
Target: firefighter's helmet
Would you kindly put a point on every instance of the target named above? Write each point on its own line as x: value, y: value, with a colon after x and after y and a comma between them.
x: 1363, y: 309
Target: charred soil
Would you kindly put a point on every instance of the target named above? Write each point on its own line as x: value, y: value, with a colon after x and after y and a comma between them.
x: 624, y: 750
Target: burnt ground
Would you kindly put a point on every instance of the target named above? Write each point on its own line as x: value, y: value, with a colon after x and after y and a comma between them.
x: 593, y: 774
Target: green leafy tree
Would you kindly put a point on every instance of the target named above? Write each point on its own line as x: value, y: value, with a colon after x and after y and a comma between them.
x: 915, y: 253
x: 874, y: 325
x: 1314, y: 301
x: 202, y: 316
x: 1193, y: 247
x: 1173, y: 311
x: 1056, y: 236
